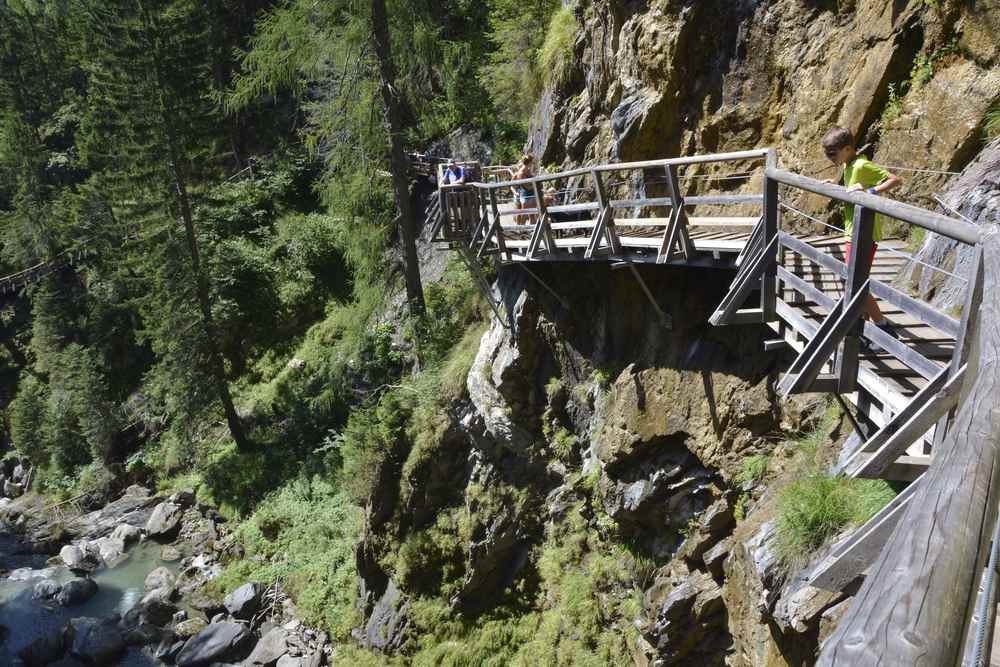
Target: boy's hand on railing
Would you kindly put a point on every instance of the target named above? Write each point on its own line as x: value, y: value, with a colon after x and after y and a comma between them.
x: 855, y: 187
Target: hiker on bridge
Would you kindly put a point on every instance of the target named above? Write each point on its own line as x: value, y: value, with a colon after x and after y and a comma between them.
x: 860, y: 174
x: 523, y: 196
x: 454, y: 174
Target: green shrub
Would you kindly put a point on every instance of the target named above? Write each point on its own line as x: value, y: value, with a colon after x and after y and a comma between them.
x: 303, y: 537
x: 992, y: 126
x: 814, y: 509
x: 752, y: 469
x: 556, y: 55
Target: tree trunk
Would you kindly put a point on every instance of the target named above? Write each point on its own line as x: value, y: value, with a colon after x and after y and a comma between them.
x: 397, y: 159
x: 201, y: 289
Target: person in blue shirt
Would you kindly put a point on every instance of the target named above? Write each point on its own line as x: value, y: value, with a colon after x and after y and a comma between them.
x: 453, y: 174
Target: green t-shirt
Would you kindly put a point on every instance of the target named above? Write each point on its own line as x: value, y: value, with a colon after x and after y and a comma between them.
x: 868, y: 174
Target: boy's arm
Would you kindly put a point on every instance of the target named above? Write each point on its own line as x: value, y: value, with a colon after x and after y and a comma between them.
x: 875, y: 180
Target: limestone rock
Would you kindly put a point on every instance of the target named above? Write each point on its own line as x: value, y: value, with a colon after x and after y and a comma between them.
x: 80, y: 557
x: 270, y: 648
x: 218, y: 642
x: 96, y: 641
x: 158, y: 578
x: 165, y: 520
x: 45, y: 590
x: 190, y: 627
x: 245, y: 601
x: 76, y: 591
x: 44, y: 650
x: 169, y: 554
x: 389, y: 621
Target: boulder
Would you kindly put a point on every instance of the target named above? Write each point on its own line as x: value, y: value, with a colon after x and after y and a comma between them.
x: 389, y: 621
x: 183, y: 498
x: 245, y: 601
x: 80, y: 557
x: 110, y: 549
x: 190, y: 627
x: 161, y: 577
x: 44, y: 650
x: 46, y: 589
x: 168, y: 648
x: 12, y: 489
x: 169, y: 554
x: 127, y: 533
x: 76, y: 591
x: 96, y: 641
x: 165, y: 520
x: 270, y: 648
x: 216, y: 643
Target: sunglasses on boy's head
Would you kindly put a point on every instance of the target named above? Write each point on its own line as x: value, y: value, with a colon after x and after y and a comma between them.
x: 831, y: 152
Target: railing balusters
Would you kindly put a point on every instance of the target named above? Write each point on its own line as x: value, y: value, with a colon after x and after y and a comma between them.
x: 858, y: 271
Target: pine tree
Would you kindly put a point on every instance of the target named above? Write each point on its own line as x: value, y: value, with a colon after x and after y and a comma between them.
x: 150, y: 133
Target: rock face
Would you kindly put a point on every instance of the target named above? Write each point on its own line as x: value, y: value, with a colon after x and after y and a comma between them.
x: 975, y: 195
x: 655, y: 80
x: 598, y: 409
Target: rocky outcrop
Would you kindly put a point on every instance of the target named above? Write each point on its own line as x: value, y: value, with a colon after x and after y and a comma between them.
x: 974, y: 195
x: 598, y: 410
x: 96, y: 641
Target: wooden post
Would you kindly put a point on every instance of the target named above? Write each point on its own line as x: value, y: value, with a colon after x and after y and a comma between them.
x: 496, y: 228
x: 769, y: 282
x: 543, y: 227
x: 914, y: 607
x: 858, y: 270
x: 680, y: 232
x: 607, y: 217
x: 970, y: 320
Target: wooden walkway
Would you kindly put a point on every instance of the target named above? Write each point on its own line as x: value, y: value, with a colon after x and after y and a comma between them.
x: 904, y: 397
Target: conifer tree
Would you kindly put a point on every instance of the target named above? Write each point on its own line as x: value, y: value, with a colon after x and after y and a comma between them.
x: 150, y: 133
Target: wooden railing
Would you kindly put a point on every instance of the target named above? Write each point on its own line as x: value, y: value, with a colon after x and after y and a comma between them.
x: 474, y: 214
x: 925, y: 552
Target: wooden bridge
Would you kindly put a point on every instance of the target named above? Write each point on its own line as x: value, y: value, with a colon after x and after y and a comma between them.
x: 923, y: 404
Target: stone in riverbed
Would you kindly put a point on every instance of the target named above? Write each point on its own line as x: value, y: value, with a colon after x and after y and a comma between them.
x: 76, y: 591
x: 183, y: 498
x: 12, y: 489
x: 96, y: 641
x: 44, y: 650
x: 218, y: 642
x: 161, y: 577
x: 80, y: 557
x: 169, y: 554
x: 45, y: 589
x: 165, y: 520
x: 245, y: 601
x: 190, y: 627
x: 270, y: 648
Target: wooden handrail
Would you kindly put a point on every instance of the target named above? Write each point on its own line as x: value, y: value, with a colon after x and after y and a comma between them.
x: 954, y: 228
x: 916, y: 603
x: 626, y: 166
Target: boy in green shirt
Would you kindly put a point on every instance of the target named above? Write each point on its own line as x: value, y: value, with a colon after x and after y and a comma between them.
x: 860, y: 174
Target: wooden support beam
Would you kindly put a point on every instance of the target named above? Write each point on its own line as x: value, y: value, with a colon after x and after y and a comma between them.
x: 665, y: 320
x: 817, y: 352
x: 594, y: 246
x: 681, y: 221
x: 919, y: 421
x: 858, y: 272
x: 738, y: 294
x: 776, y: 344
x: 669, y: 240
x: 854, y: 554
x: 756, y: 237
x: 970, y: 320
x: 543, y: 220
x: 772, y: 224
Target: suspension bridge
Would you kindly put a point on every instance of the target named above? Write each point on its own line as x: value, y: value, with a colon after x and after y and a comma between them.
x: 923, y: 402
